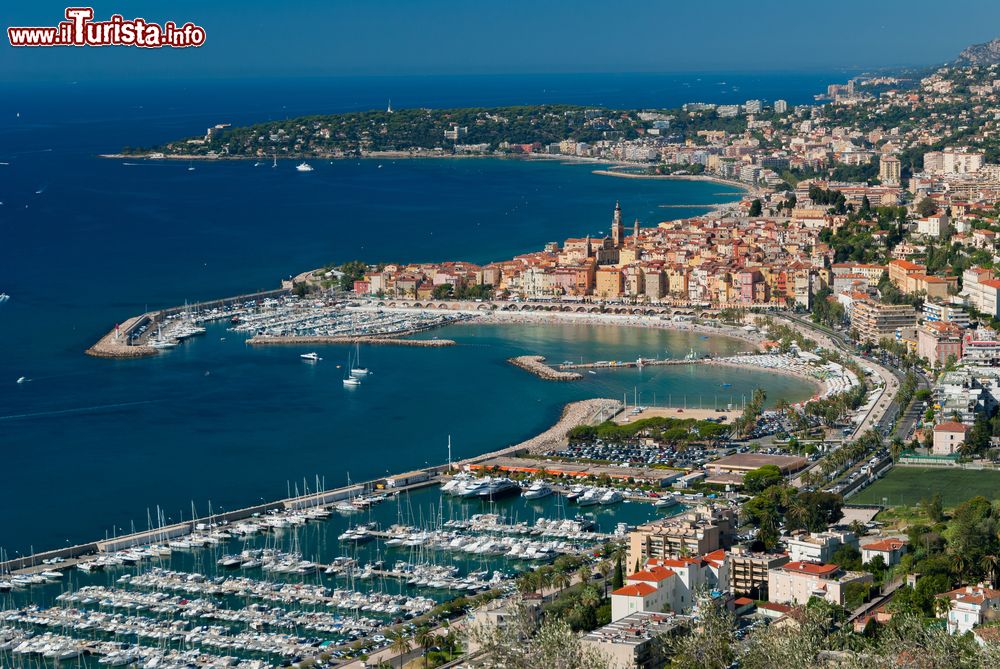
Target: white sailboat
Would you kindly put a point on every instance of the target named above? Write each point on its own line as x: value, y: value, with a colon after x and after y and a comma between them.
x: 350, y: 381
x: 357, y: 370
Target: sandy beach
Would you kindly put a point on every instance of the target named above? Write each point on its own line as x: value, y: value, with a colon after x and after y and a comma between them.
x: 620, y: 320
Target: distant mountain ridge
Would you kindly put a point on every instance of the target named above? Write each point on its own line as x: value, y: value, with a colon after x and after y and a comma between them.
x: 987, y: 53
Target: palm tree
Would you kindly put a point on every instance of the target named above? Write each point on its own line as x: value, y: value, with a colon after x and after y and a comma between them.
x: 990, y: 565
x: 605, y: 568
x: 426, y: 639
x: 958, y: 562
x: 941, y: 606
x: 527, y: 582
x: 545, y: 578
x: 561, y: 580
x: 400, y: 644
x: 797, y: 514
x: 590, y: 598
x: 450, y: 642
x: 584, y: 574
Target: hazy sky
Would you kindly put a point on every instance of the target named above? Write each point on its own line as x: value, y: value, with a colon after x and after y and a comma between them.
x: 332, y: 37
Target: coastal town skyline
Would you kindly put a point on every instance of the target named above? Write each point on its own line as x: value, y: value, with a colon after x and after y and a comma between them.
x: 320, y: 352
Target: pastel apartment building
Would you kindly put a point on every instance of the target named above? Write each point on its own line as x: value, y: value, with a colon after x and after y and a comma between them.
x: 697, y: 531
x: 670, y: 584
x: 798, y: 582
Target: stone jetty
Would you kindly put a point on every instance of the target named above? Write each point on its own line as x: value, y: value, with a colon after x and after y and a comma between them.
x: 536, y: 365
x: 114, y: 343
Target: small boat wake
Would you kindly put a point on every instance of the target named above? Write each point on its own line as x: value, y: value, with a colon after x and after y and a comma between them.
x: 75, y: 411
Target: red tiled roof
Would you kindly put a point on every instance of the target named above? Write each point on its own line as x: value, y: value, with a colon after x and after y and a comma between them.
x: 636, y: 590
x: 951, y: 426
x: 885, y: 546
x: 814, y: 568
x: 653, y: 573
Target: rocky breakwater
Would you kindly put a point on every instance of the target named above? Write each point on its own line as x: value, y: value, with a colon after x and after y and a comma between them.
x: 584, y: 412
x: 536, y: 365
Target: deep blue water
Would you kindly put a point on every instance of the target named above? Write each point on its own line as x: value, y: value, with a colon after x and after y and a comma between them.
x: 86, y: 242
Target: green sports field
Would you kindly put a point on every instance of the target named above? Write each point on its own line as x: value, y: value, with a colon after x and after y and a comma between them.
x: 906, y: 486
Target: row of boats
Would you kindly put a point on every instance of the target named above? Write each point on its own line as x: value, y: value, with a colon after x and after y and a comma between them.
x: 294, y: 316
x: 282, y: 593
x: 56, y: 647
x: 470, y: 487
x: 174, y: 332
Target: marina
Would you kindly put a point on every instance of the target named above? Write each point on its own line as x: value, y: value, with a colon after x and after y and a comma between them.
x: 287, y: 585
x: 274, y: 317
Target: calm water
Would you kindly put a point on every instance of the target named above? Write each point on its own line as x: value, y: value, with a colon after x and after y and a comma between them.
x: 89, y: 444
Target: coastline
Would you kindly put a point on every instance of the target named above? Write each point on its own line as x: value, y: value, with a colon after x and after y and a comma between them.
x: 619, y: 320
x: 436, y: 155
x: 746, y: 188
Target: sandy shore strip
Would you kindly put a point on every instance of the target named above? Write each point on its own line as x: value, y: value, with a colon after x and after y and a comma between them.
x: 536, y: 365
x: 822, y: 388
x: 395, y: 340
x: 746, y: 188
x: 618, y: 320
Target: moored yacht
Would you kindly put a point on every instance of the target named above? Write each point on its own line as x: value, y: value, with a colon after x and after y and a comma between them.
x: 304, y: 167
x: 500, y: 487
x: 537, y: 490
x: 666, y: 502
x: 313, y: 356
x: 611, y: 497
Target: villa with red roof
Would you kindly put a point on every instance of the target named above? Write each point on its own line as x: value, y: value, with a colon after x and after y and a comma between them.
x: 891, y: 551
x: 798, y: 582
x: 948, y: 436
x: 670, y: 584
x: 970, y: 606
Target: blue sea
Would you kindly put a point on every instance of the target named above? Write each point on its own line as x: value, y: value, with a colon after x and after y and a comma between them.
x: 88, y: 445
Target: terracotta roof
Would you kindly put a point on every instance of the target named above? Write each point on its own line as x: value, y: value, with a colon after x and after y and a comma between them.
x: 636, y: 590
x: 653, y: 574
x: 813, y: 568
x: 886, y: 545
x: 951, y: 426
x: 774, y: 606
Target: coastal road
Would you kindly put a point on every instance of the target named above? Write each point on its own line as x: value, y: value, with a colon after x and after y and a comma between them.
x: 883, y: 410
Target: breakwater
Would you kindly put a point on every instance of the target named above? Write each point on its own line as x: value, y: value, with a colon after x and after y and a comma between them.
x: 536, y: 365
x: 130, y: 339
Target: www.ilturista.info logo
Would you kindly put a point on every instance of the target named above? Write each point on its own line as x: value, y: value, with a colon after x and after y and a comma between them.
x: 80, y: 29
